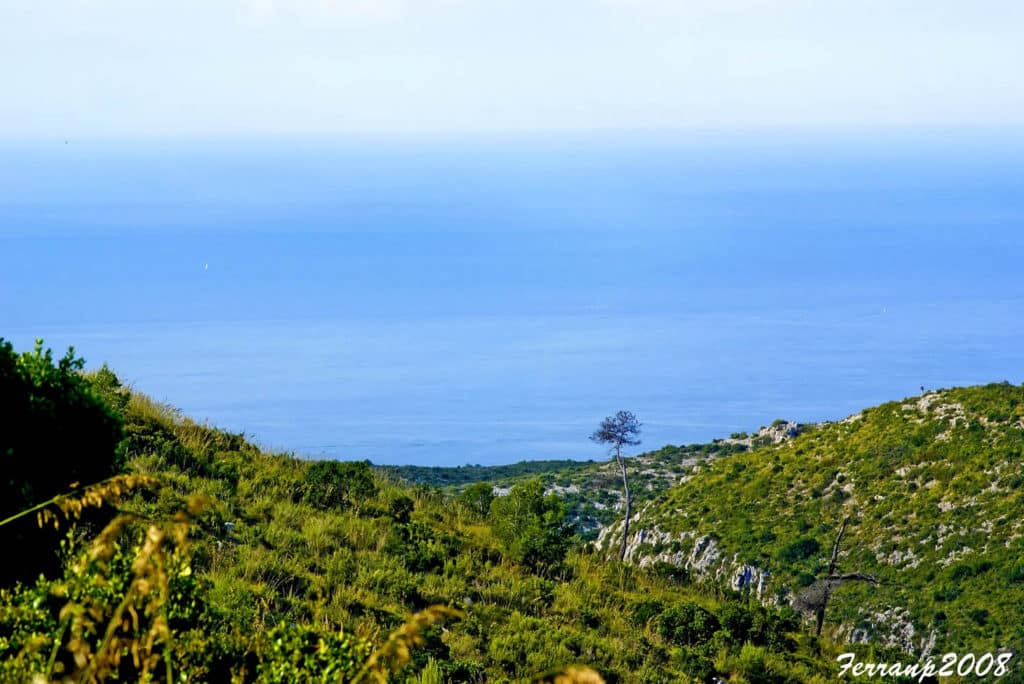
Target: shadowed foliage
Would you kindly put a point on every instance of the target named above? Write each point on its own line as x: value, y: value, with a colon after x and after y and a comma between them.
x: 55, y: 431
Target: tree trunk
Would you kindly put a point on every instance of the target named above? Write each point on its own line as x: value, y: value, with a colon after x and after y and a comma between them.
x: 820, y: 617
x: 629, y: 504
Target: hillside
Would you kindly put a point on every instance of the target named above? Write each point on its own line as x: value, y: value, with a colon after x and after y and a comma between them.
x: 203, y: 558
x: 934, y: 490
x: 592, y: 490
x: 207, y: 559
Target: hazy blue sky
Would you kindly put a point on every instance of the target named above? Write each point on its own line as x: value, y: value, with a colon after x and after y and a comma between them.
x: 251, y: 67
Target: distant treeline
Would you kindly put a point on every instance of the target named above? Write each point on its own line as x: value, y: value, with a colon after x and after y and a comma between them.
x: 438, y: 476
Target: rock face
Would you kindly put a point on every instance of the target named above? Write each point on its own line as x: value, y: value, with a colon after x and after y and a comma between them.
x: 701, y: 555
x: 705, y: 554
x: 750, y: 577
x: 777, y: 432
x: 892, y: 627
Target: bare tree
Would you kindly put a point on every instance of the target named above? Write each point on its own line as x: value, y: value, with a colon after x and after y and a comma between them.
x: 814, y: 599
x: 620, y: 430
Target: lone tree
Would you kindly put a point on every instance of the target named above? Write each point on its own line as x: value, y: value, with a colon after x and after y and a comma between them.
x: 622, y: 429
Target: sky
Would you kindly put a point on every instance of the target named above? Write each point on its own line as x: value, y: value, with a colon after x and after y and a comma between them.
x: 162, y: 68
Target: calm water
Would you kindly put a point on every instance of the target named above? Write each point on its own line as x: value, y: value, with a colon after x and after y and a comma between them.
x: 435, y: 302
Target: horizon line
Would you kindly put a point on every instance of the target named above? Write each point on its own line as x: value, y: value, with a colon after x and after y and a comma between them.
x: 693, y: 132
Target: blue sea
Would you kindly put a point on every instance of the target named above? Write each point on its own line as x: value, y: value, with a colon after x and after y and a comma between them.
x: 441, y: 301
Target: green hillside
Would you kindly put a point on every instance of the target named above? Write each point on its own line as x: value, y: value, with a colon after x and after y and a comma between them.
x: 592, y: 490
x: 199, y: 557
x: 202, y: 558
x: 934, y: 490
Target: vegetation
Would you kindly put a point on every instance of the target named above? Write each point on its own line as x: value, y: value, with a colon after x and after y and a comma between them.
x: 202, y: 558
x: 531, y: 527
x: 592, y: 491
x: 933, y: 491
x: 440, y: 476
x: 56, y: 432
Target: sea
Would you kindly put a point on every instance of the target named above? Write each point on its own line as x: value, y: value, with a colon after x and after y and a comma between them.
x: 484, y: 299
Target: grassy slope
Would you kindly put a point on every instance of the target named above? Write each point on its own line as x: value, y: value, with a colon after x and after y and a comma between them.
x: 935, y: 490
x: 359, y: 569
x: 938, y: 477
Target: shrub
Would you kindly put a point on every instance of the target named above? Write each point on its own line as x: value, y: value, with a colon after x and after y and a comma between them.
x: 645, y: 610
x: 109, y: 388
x: 150, y: 436
x: 531, y: 527
x: 687, y: 624
x: 772, y: 628
x: 337, y: 484
x: 670, y: 572
x: 697, y: 664
x: 477, y: 498
x: 946, y: 594
x: 400, y: 508
x: 801, y: 549
x: 804, y: 579
x: 735, y: 620
x: 54, y: 431
x: 979, y: 616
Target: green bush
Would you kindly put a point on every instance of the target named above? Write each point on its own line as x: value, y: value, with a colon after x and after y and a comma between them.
x: 670, y: 572
x: 531, y: 527
x: 477, y: 498
x: 979, y: 616
x: 687, y: 624
x: 400, y: 508
x: 338, y: 484
x: 643, y: 611
x: 55, y: 431
x: 799, y: 550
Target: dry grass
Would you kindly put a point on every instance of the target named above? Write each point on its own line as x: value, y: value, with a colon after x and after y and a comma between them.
x: 395, y: 654
x: 136, y: 626
x: 194, y: 436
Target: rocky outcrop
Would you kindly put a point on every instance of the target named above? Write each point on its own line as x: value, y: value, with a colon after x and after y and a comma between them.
x: 705, y: 554
x: 776, y: 433
x: 892, y: 627
x: 750, y: 577
x: 701, y: 555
